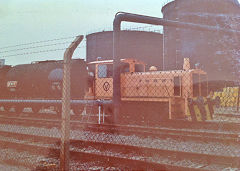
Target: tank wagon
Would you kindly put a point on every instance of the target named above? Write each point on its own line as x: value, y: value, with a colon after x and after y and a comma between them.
x: 41, y: 80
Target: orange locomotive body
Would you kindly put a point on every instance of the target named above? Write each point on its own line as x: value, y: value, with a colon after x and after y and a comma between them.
x: 152, y: 95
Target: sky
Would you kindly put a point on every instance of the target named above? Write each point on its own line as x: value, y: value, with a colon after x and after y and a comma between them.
x: 29, y: 21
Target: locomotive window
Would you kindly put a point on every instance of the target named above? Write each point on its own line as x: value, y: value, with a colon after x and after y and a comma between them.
x: 125, y: 67
x: 195, y: 85
x: 105, y: 71
x: 177, y: 86
x: 204, y: 85
x: 139, y: 68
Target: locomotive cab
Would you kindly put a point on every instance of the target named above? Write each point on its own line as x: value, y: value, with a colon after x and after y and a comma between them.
x: 103, y: 81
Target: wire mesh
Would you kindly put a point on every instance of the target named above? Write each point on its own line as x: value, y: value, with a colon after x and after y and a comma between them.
x: 228, y: 107
x: 148, y: 97
x: 26, y: 145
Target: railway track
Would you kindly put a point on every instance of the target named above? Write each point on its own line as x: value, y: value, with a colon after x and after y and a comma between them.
x: 49, y: 114
x: 227, y: 134
x: 125, y: 152
x: 165, y: 132
x: 228, y: 115
x: 113, y: 154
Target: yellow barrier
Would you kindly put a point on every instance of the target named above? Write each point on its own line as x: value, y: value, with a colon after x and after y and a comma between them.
x: 197, y: 113
x: 228, y: 96
x: 208, y: 113
x: 200, y: 110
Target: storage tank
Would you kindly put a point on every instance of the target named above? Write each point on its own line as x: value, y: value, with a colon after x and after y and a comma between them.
x: 217, y: 53
x: 145, y: 46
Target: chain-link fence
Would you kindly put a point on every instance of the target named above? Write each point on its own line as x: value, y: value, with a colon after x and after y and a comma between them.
x: 149, y: 95
x: 32, y: 95
x: 229, y: 100
x: 37, y: 97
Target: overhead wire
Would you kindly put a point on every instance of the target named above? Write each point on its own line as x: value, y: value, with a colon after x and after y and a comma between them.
x: 43, y: 41
x: 47, y: 45
x: 13, y: 50
x: 42, y: 51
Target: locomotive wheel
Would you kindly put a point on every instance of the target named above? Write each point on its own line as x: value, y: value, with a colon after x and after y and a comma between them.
x: 78, y: 110
x: 58, y: 110
x: 108, y: 110
x: 36, y: 109
x: 1, y: 109
x: 18, y: 109
x: 7, y: 108
x: 91, y: 110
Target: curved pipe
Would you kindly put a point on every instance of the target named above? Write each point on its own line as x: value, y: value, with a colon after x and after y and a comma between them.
x: 123, y: 16
x: 129, y: 17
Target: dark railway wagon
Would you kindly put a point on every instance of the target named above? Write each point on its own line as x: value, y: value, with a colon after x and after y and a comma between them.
x: 3, y: 71
x: 43, y: 80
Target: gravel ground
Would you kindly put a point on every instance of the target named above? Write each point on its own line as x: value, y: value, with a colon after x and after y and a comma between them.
x: 156, y: 158
x: 5, y: 167
x: 220, y: 118
x: 167, y: 144
x: 39, y: 162
x: 159, y: 143
x: 227, y: 110
x: 20, y: 157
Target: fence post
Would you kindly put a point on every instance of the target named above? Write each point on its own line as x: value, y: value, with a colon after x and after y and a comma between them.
x: 238, y: 99
x: 116, y: 71
x: 65, y: 129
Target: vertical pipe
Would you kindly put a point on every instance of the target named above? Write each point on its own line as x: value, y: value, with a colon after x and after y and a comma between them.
x: 103, y: 115
x: 99, y: 114
x: 238, y: 99
x: 163, y: 61
x: 170, y: 108
x: 65, y: 129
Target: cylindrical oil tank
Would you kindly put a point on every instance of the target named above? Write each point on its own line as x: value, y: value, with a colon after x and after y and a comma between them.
x: 217, y: 53
x: 145, y: 46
